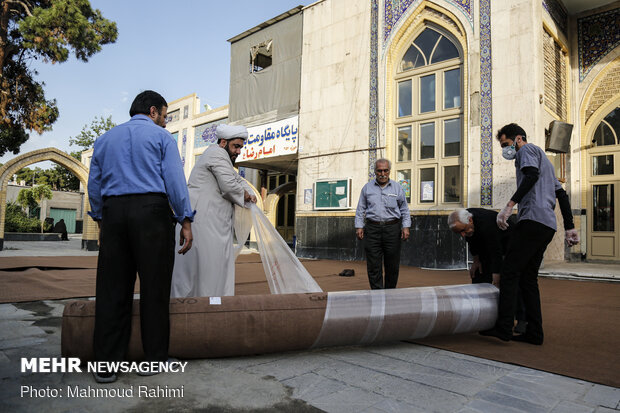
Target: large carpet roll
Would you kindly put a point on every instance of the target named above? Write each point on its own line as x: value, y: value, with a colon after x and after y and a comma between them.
x: 254, y: 324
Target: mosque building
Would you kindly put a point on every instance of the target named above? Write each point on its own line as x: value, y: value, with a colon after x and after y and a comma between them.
x: 328, y: 88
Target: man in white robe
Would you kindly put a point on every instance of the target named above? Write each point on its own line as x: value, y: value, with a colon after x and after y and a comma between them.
x: 208, y: 269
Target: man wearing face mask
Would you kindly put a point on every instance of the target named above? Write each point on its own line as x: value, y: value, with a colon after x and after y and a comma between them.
x: 537, y: 191
x: 382, y: 219
x: 214, y: 189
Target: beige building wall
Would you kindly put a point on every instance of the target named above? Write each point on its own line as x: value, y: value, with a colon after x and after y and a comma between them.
x: 60, y: 199
x: 334, y: 104
x: 189, y: 152
x: 521, y: 30
x: 184, y: 114
x: 515, y: 27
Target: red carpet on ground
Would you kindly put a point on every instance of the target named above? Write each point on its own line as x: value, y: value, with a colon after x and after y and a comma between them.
x: 582, y: 338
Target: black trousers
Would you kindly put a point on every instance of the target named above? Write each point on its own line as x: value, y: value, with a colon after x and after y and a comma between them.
x: 520, y: 271
x: 137, y: 235
x: 487, y: 277
x: 382, y: 247
x: 479, y: 277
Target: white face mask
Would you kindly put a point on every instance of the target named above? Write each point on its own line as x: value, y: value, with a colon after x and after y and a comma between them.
x: 509, y: 152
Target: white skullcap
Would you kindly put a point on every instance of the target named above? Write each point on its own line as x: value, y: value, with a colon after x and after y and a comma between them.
x: 228, y: 132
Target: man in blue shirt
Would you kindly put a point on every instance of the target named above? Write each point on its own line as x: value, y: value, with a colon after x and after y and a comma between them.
x: 536, y: 194
x: 137, y: 190
x: 382, y: 219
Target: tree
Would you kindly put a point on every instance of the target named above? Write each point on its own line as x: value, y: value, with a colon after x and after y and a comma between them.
x: 29, y: 176
x: 63, y: 178
x: 32, y: 197
x: 17, y: 221
x: 86, y: 138
x: 44, y: 30
x: 59, y: 177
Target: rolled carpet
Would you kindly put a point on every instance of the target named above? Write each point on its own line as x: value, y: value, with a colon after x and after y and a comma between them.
x: 204, y: 327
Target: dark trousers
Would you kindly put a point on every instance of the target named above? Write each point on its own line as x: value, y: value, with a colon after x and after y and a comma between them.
x: 382, y: 247
x: 520, y: 271
x: 137, y: 235
x: 487, y: 277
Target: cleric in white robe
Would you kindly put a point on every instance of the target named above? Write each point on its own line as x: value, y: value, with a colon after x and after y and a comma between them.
x: 208, y: 269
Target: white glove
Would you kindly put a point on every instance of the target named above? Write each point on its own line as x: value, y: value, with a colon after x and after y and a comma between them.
x: 572, y: 237
x: 502, y: 217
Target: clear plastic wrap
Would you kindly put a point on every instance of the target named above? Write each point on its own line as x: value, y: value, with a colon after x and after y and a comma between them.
x: 243, y: 226
x: 285, y: 274
x: 255, y: 324
x: 367, y: 317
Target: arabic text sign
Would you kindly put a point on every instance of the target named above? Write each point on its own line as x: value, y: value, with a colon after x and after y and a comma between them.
x: 273, y: 139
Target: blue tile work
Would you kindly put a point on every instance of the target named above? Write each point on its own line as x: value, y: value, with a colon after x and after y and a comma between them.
x: 486, y: 118
x: 175, y: 135
x: 374, y: 82
x: 204, y: 135
x: 395, y: 9
x: 467, y: 8
x: 597, y: 35
x: 173, y: 116
x: 557, y: 13
x: 183, y: 147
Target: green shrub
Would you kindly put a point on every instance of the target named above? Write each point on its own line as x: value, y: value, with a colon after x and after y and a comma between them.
x: 18, y: 221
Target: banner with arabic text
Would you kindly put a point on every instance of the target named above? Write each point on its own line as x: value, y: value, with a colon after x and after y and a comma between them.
x: 272, y: 139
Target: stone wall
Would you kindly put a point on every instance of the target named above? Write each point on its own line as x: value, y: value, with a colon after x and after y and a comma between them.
x: 607, y: 89
x: 333, y: 119
x: 555, y: 71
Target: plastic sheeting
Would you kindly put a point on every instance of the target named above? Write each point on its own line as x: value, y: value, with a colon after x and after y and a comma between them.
x: 255, y: 324
x: 243, y: 226
x: 285, y: 274
x: 366, y: 317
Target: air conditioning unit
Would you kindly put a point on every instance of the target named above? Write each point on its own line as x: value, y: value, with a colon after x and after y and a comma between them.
x: 558, y: 137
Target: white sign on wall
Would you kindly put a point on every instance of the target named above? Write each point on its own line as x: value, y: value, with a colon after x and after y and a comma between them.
x: 272, y: 139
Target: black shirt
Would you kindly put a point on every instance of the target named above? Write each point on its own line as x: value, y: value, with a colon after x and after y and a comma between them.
x: 489, y: 242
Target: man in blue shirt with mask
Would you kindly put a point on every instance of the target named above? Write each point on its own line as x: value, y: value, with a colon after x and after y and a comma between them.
x: 137, y: 190
x: 536, y: 194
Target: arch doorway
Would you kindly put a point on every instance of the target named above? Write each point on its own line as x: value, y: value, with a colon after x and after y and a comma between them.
x: 603, y: 213
x: 280, y: 204
x: 90, y: 231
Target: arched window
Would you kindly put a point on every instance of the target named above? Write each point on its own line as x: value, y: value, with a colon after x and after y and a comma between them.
x: 608, y: 131
x: 429, y: 120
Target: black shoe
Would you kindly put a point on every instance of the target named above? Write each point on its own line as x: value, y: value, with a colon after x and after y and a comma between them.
x: 524, y: 338
x: 104, y: 377
x: 521, y: 327
x: 494, y: 332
